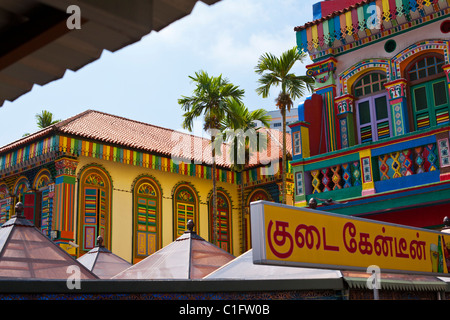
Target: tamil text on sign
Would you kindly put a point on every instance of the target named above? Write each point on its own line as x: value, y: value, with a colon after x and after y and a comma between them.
x: 286, y: 235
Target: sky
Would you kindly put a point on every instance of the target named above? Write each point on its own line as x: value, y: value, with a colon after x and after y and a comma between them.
x: 144, y: 81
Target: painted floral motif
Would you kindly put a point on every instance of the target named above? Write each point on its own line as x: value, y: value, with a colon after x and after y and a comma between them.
x: 43, y: 181
x: 147, y: 189
x: 185, y: 195
x: 95, y: 179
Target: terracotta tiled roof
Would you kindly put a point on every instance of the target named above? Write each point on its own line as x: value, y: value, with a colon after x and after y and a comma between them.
x: 136, y: 135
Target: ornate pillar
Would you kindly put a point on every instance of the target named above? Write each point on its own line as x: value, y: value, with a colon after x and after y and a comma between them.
x: 368, y: 184
x: 345, y: 116
x: 324, y: 74
x: 398, y: 104
x: 63, y: 203
x: 446, y: 68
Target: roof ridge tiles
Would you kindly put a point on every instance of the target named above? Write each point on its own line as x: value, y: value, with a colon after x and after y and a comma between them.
x: 117, y: 130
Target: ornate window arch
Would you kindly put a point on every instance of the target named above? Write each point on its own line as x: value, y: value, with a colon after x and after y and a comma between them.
x: 147, y: 232
x: 42, y: 179
x: 223, y: 222
x: 94, y: 218
x: 41, y: 184
x: 23, y: 193
x: 255, y: 195
x: 402, y: 60
x: 428, y: 88
x: 21, y: 186
x: 348, y: 77
x: 185, y: 207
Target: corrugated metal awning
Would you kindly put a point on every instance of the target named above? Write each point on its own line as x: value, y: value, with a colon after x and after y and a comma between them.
x: 38, y: 47
x: 389, y: 281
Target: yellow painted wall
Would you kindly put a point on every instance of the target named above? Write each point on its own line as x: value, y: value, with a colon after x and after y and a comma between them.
x: 123, y: 175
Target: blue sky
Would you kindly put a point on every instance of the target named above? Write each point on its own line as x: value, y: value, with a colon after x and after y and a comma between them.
x: 145, y: 80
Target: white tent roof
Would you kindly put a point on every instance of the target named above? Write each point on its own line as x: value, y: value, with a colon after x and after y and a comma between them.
x: 243, y: 268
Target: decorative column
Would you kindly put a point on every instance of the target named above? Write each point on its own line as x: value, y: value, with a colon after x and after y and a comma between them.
x: 446, y: 68
x: 398, y: 104
x: 63, y: 229
x: 443, y: 146
x: 5, y: 204
x: 368, y: 184
x: 345, y: 110
x: 300, y: 140
x: 324, y: 74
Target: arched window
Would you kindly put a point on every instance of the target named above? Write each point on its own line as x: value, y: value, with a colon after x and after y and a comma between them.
x: 95, y: 208
x: 5, y: 203
x: 147, y: 218
x: 185, y: 208
x: 223, y: 221
x: 24, y: 193
x: 43, y: 211
x: 255, y: 195
x: 373, y: 120
x: 429, y: 93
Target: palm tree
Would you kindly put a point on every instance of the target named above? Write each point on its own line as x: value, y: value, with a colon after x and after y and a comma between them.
x: 275, y: 72
x: 211, y: 98
x: 45, y: 119
x: 239, y: 121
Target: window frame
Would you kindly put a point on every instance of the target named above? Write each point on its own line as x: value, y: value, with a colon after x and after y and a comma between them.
x: 373, y: 117
x: 228, y: 242
x: 428, y: 83
x: 82, y: 224
x: 194, y: 203
x: 297, y: 138
x: 158, y: 198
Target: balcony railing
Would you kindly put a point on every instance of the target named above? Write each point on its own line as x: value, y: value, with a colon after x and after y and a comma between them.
x: 338, y: 177
x: 414, y: 159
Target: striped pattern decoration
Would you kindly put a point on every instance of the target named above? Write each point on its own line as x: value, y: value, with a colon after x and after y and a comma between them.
x: 185, y: 212
x: 423, y: 121
x: 90, y: 205
x: 383, y: 130
x: 356, y: 26
x: 19, y: 156
x: 146, y: 219
x: 45, y: 212
x: 63, y: 218
x: 366, y: 134
x: 103, y: 213
x: 223, y: 229
x: 328, y: 93
x: 4, y: 211
x: 222, y: 222
x: 442, y: 117
x: 78, y: 147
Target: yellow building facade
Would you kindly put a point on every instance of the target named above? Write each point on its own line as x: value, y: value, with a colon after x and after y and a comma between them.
x: 99, y: 174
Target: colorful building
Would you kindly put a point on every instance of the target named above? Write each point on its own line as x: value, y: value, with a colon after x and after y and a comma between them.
x: 373, y: 140
x: 97, y: 174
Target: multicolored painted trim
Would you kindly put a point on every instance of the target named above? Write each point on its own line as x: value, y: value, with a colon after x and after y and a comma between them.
x: 79, y: 147
x: 366, y: 23
x: 356, y: 70
x: 34, y: 150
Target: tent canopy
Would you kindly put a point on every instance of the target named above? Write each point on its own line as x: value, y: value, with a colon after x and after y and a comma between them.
x: 27, y: 253
x: 188, y: 257
x: 103, y: 262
